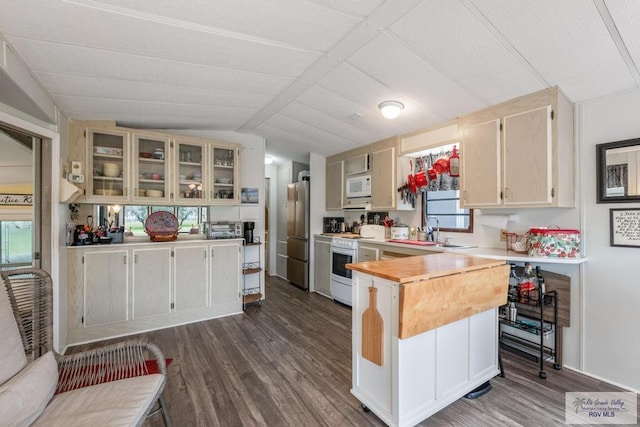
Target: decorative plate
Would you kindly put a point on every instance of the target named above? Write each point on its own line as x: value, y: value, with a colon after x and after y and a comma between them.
x: 161, y: 225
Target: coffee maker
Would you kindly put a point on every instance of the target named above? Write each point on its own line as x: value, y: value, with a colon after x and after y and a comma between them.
x: 248, y: 231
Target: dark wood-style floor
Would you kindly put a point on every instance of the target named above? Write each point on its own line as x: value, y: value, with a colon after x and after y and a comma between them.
x: 287, y: 362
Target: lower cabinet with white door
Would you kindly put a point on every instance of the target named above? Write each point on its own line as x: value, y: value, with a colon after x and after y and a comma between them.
x: 116, y: 290
x: 322, y: 265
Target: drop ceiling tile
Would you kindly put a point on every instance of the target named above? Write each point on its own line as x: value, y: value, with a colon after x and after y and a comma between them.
x: 297, y: 23
x: 395, y: 66
x: 66, y: 59
x: 339, y: 107
x: 151, y: 38
x: 92, y: 87
x: 302, y: 133
x: 362, y: 89
x: 565, y: 41
x: 118, y: 109
x: 626, y: 15
x: 359, y: 8
x: 320, y: 120
x: 450, y: 39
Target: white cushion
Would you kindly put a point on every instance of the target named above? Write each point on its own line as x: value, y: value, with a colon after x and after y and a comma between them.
x: 117, y: 403
x: 12, y: 358
x: 25, y: 396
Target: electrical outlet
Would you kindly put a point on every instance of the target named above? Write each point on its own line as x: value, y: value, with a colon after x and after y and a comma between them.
x: 503, y: 237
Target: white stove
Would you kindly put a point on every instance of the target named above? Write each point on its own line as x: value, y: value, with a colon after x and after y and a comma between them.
x: 344, y: 250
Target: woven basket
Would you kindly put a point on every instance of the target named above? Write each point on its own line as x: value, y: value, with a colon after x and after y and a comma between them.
x: 163, y: 237
x: 517, y: 242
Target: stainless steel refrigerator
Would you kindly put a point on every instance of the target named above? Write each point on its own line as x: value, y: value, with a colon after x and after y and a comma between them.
x: 298, y: 233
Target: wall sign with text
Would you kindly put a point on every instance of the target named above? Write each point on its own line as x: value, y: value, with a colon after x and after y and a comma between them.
x: 625, y: 227
x: 16, y: 199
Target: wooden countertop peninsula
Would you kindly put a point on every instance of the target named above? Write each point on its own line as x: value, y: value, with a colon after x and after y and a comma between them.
x: 411, y: 269
x: 441, y: 288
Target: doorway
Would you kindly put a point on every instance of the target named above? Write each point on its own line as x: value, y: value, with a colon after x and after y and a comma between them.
x: 25, y: 193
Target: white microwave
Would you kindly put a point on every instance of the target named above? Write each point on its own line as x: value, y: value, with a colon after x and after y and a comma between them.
x: 358, y: 186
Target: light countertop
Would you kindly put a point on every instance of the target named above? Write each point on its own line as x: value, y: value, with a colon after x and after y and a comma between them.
x: 479, y: 251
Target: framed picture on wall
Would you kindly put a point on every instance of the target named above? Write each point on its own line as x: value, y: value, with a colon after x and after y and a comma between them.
x: 625, y: 227
x: 249, y: 195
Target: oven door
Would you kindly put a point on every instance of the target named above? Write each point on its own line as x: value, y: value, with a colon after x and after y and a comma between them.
x: 339, y: 259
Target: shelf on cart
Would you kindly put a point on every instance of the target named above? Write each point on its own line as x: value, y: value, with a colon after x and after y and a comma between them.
x: 251, y: 298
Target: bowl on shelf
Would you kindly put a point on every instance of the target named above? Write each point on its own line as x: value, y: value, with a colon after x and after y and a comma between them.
x: 156, y: 176
x: 155, y: 193
x: 110, y: 151
x: 142, y: 193
x: 106, y: 192
x: 111, y: 170
x: 145, y: 155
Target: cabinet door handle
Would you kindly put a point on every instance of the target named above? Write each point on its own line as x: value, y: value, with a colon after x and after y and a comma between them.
x: 125, y: 259
x: 205, y: 254
x: 135, y: 259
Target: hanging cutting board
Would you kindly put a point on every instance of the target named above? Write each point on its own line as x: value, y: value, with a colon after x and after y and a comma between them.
x: 372, y: 330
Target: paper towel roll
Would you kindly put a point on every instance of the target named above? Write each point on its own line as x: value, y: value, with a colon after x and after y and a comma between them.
x: 68, y: 191
x: 495, y: 221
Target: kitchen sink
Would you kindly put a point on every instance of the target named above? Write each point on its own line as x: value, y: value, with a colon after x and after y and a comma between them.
x: 452, y: 245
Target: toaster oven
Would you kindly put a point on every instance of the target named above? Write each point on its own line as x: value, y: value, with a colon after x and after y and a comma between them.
x: 223, y: 230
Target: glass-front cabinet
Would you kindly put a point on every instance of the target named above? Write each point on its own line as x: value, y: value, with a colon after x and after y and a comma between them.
x: 190, y: 172
x: 223, y: 175
x: 149, y: 168
x: 151, y: 176
x: 107, y: 165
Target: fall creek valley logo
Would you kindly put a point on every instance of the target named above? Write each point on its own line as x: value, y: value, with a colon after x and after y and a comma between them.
x: 600, y: 408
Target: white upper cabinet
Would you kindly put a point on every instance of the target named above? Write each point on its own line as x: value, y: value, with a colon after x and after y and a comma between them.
x: 149, y: 168
x: 480, y: 164
x: 108, y: 166
x: 189, y: 184
x: 383, y: 179
x: 334, y: 185
x: 528, y: 158
x: 150, y: 159
x: 519, y: 153
x: 357, y: 164
x: 223, y: 175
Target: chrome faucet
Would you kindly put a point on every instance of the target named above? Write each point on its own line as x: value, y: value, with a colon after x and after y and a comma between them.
x: 436, y: 236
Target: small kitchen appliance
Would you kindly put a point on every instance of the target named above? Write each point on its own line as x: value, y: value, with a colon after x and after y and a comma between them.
x: 223, y: 230
x: 358, y: 186
x: 248, y: 231
x: 330, y: 224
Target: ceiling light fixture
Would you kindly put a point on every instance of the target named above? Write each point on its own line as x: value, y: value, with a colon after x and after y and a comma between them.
x: 391, y: 109
x: 268, y: 160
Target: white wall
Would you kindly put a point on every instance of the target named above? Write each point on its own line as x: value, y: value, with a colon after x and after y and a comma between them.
x: 271, y: 172
x: 611, y: 285
x: 318, y: 170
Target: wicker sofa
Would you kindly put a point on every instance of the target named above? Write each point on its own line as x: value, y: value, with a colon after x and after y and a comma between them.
x: 108, y: 386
